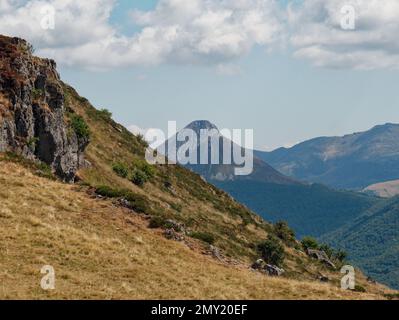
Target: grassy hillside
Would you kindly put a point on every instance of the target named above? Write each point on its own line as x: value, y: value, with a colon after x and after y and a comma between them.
x: 102, y: 251
x: 309, y: 209
x: 373, y: 241
x: 172, y: 192
x: 124, y: 229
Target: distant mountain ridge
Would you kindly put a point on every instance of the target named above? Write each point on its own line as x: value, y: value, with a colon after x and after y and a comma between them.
x: 225, y: 172
x: 353, y: 161
x: 309, y: 209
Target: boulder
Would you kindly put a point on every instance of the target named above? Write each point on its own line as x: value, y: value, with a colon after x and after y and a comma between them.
x: 177, y: 226
x: 173, y: 235
x: 269, y: 269
x: 216, y: 253
x: 321, y: 256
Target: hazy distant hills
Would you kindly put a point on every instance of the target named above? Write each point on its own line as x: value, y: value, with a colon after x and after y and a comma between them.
x: 309, y: 209
x: 353, y: 161
x: 372, y: 240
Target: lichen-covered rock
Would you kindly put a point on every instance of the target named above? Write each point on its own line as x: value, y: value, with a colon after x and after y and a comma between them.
x: 270, y: 270
x: 32, y: 112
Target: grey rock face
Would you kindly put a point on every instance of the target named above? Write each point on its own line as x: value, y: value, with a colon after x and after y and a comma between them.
x: 32, y: 111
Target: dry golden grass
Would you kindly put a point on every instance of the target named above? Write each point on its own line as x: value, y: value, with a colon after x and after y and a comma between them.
x: 100, y: 251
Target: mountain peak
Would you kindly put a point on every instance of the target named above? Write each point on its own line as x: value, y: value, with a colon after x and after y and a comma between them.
x: 201, y: 124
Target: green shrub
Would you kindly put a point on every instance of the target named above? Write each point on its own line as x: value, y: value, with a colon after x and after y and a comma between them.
x: 284, y: 232
x: 139, y: 178
x: 392, y: 296
x: 80, y: 127
x: 203, y: 236
x: 157, y: 222
x: 142, y: 172
x: 148, y: 170
x: 142, y: 141
x: 309, y: 243
x: 104, y: 114
x: 138, y: 202
x: 121, y: 170
x: 272, y: 251
x: 359, y: 288
x: 340, y: 255
x: 109, y: 192
x: 327, y: 249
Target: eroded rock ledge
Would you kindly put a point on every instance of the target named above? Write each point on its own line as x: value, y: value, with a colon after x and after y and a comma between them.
x: 32, y: 112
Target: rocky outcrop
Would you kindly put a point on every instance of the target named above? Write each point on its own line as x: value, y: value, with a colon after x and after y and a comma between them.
x: 268, y: 269
x: 32, y: 112
x: 321, y: 256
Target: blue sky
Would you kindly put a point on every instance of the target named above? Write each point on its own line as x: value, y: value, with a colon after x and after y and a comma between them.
x: 287, y: 90
x: 284, y: 100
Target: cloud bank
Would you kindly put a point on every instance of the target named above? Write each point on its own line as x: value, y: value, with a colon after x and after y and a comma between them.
x: 209, y: 32
x: 319, y: 37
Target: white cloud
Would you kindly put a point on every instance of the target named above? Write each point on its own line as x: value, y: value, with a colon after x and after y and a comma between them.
x: 317, y: 34
x: 207, y: 32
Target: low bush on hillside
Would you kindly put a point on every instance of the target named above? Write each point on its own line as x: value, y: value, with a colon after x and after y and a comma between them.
x: 392, y: 296
x: 109, y: 192
x: 142, y: 141
x: 272, y: 251
x: 309, y: 243
x: 161, y: 222
x: 80, y: 127
x: 142, y: 172
x: 145, y: 167
x: 139, y: 178
x: 284, y: 232
x: 136, y: 202
x: 157, y: 222
x: 359, y: 288
x: 104, y: 114
x: 340, y: 255
x: 121, y: 170
x: 203, y: 236
x: 336, y: 255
